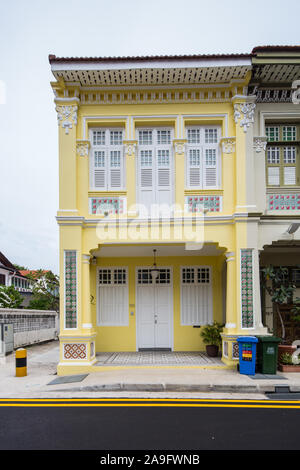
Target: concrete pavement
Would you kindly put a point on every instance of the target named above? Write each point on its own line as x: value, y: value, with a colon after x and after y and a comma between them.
x: 165, y: 382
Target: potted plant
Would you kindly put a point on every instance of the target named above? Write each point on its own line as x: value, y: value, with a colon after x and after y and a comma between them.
x: 211, y: 336
x: 287, y: 365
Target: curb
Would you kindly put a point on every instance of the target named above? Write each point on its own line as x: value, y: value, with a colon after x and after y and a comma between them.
x: 127, y: 387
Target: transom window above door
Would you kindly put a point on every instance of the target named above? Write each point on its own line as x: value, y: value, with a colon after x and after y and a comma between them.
x: 203, y: 160
x: 107, y: 169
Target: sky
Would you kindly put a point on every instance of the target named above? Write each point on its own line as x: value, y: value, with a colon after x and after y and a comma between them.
x: 30, y: 30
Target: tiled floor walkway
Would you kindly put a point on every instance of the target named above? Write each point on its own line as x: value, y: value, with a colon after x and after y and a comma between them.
x: 157, y: 358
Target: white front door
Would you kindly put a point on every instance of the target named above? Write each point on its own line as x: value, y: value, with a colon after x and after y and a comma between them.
x: 154, y: 309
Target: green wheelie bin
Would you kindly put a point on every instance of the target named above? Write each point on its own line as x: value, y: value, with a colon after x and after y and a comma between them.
x: 267, y: 353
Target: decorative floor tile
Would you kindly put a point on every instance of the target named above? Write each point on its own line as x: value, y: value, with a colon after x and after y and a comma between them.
x: 157, y: 358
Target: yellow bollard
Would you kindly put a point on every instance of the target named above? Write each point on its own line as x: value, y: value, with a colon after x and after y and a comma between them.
x: 21, y: 362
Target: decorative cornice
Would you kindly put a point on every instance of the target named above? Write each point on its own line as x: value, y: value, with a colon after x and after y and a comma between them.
x: 260, y: 144
x: 67, y: 116
x: 82, y: 147
x: 228, y: 144
x: 244, y: 114
x: 154, y: 96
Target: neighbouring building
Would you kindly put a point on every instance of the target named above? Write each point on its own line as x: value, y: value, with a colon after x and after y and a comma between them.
x: 168, y: 182
x: 10, y: 276
x: 275, y: 82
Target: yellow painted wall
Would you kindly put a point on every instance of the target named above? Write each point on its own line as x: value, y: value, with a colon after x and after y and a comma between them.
x: 186, y: 338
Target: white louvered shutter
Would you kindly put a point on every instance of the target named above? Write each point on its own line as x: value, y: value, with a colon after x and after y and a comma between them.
x: 113, y: 297
x: 210, y: 138
x: 194, y: 168
x: 107, y: 162
x: 164, y: 167
x: 99, y: 170
x: 210, y: 168
x: 196, y: 295
x: 116, y: 159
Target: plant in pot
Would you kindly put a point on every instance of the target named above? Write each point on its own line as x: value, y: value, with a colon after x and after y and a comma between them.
x: 211, y: 336
x: 288, y: 364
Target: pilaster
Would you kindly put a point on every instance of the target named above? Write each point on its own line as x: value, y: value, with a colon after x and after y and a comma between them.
x: 67, y: 122
x: 244, y: 107
x: 130, y: 155
x: 179, y: 156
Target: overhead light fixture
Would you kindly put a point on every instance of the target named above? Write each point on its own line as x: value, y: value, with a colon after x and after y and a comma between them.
x: 293, y: 228
x: 154, y: 270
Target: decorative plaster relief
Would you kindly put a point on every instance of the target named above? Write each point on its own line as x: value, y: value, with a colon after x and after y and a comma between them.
x: 82, y: 148
x: 228, y: 144
x: 67, y: 116
x: 244, y: 112
x: 260, y: 144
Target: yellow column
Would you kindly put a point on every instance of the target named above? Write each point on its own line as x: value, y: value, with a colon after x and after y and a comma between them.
x: 82, y: 151
x: 86, y: 293
x: 130, y: 153
x: 179, y: 146
x: 231, y: 319
x: 67, y: 121
x: 244, y: 117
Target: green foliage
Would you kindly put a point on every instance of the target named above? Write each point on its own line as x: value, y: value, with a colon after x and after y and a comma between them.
x: 211, y: 334
x: 296, y: 309
x: 10, y: 297
x: 280, y: 289
x: 45, y: 291
x: 286, y: 358
x: 20, y: 268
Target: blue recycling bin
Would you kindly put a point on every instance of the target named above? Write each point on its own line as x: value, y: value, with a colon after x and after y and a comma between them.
x: 247, y: 354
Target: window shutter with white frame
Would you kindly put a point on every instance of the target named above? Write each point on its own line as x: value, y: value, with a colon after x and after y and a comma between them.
x: 203, y: 157
x: 196, y: 295
x: 107, y: 163
x: 112, y: 297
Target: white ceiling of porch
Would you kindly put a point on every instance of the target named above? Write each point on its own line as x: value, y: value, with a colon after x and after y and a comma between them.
x: 137, y: 251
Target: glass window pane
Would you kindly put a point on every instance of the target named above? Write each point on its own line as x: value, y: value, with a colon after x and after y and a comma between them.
x: 211, y: 136
x: 193, y: 136
x: 98, y: 137
x: 116, y: 137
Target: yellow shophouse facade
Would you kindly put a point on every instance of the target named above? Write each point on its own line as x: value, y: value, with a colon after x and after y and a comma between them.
x: 157, y: 213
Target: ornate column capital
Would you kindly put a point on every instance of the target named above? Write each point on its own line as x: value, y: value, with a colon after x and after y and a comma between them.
x: 260, y: 144
x: 82, y: 147
x: 67, y: 116
x: 179, y: 146
x: 130, y: 147
x: 228, y: 144
x: 244, y: 111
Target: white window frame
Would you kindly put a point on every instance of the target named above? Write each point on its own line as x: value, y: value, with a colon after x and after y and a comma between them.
x: 183, y: 322
x: 107, y: 149
x: 125, y: 321
x: 155, y: 147
x: 202, y: 147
